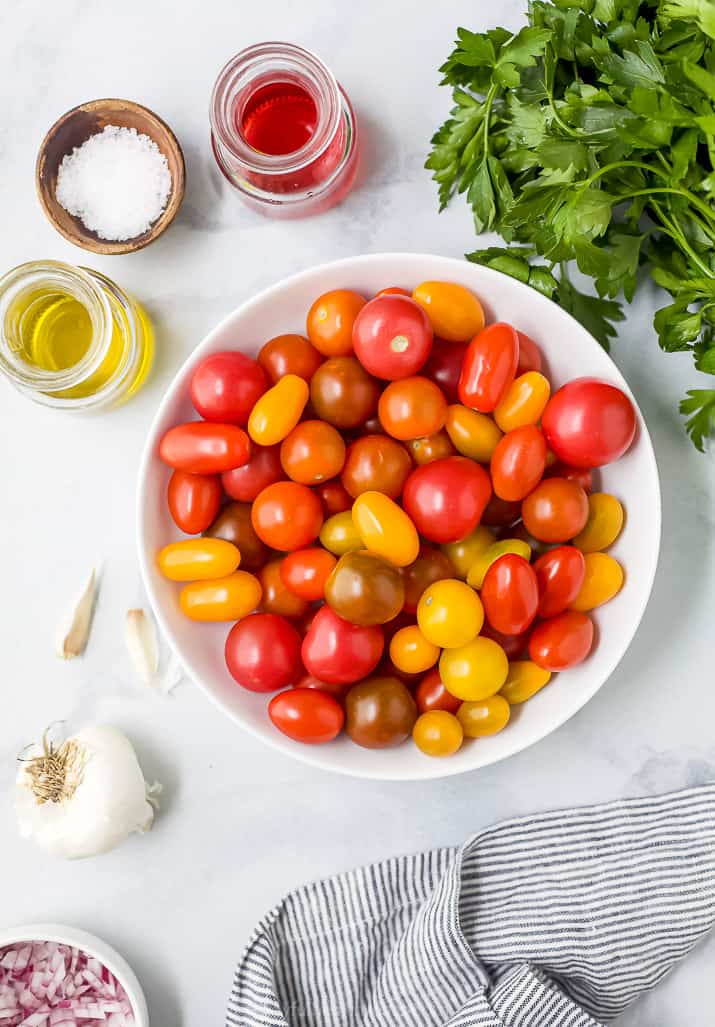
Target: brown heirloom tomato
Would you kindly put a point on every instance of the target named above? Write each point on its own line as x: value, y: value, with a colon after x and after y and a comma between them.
x: 430, y: 448
x: 289, y: 354
x: 431, y: 565
x: 376, y: 463
x: 364, y: 589
x: 234, y: 525
x: 380, y: 713
x: 277, y: 598
x: 343, y: 393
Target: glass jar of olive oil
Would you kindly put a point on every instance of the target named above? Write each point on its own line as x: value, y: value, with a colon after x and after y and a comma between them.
x: 71, y: 338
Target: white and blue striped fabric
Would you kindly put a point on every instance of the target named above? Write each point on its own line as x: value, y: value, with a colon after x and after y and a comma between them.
x: 555, y: 920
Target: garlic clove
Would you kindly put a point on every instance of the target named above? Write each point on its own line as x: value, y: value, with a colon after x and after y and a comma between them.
x: 172, y: 675
x: 143, y: 645
x: 74, y: 633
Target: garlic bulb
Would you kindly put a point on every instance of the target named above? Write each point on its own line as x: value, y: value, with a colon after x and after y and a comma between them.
x: 83, y: 797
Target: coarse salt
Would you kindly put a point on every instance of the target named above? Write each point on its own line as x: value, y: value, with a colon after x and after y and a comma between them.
x: 117, y: 183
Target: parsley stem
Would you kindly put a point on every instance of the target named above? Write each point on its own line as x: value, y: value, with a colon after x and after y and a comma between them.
x: 671, y: 228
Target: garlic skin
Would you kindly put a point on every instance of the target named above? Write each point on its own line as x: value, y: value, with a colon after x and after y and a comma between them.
x: 108, y: 804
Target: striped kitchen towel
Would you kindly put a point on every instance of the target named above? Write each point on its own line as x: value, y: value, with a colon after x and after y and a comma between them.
x: 555, y: 920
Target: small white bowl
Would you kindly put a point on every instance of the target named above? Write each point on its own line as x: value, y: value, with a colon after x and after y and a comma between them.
x: 62, y: 935
x: 569, y: 352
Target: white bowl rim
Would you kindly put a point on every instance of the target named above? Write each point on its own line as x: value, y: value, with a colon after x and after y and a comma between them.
x: 62, y: 934
x: 433, y: 768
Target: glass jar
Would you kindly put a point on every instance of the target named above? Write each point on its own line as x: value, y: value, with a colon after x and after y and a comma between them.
x: 71, y: 338
x: 283, y: 131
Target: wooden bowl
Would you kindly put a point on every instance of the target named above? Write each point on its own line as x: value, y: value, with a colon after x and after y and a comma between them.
x: 73, y: 129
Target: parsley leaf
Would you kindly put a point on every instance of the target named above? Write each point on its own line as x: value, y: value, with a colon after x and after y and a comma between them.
x: 699, y: 409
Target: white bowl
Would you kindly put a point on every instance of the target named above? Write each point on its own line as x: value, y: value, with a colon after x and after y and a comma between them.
x: 106, y: 955
x: 569, y: 351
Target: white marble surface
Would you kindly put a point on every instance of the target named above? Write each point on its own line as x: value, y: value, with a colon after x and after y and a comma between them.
x: 242, y: 824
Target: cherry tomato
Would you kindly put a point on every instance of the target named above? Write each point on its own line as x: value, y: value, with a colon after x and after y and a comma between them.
x: 234, y: 525
x: 473, y: 434
x: 430, y: 448
x: 556, y: 510
x: 605, y: 520
x: 463, y: 554
x: 193, y: 500
x: 334, y: 497
x: 523, y: 402
x: 499, y: 513
x: 484, y: 717
x: 198, y: 559
x: 263, y: 652
x: 339, y: 534
x: 289, y: 354
x: 474, y: 671
x: 305, y: 572
x: 343, y: 393
x: 559, y: 573
x: 277, y: 597
x: 411, y: 652
x: 513, y: 645
x: 306, y: 715
x: 602, y: 580
x: 226, y: 386
x: 431, y: 565
x: 331, y: 319
x: 380, y: 713
x: 364, y: 589
x: 431, y: 694
x: 287, y: 515
x: 444, y: 366
x: 588, y: 423
x: 489, y: 367
x: 518, y: 463
x: 446, y: 499
x: 310, y: 681
x: 312, y: 452
x: 263, y: 468
x: 524, y: 680
x: 393, y: 290
x: 438, y: 733
x: 529, y: 355
x: 228, y: 598
x: 583, y: 476
x: 411, y: 408
x: 510, y: 594
x: 385, y: 529
x: 455, y: 313
x: 278, y: 411
x: 376, y: 463
x: 339, y: 652
x: 486, y: 557
x: 561, y: 641
x: 392, y: 337
x: 201, y: 447
x: 450, y: 613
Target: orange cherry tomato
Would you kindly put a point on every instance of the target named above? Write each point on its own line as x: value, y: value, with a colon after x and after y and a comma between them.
x: 222, y: 599
x: 602, y: 580
x: 287, y: 515
x: 556, y: 510
x: 305, y: 572
x: 277, y: 598
x: 330, y: 321
x: 430, y: 448
x: 529, y: 355
x: 518, y: 462
x: 431, y: 694
x: 278, y: 411
x: 489, y: 367
x: 412, y: 407
x: 562, y: 641
x: 523, y: 402
x: 473, y: 434
x: 313, y: 452
x: 334, y: 497
x: 376, y: 463
x: 431, y: 565
x: 483, y: 717
x: 385, y: 528
x: 437, y: 733
x: 411, y: 652
x: 394, y: 290
x: 454, y: 312
x: 289, y: 354
x: 198, y: 559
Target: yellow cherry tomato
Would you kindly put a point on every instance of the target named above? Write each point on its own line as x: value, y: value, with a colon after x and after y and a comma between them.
x: 198, y: 559
x: 385, y: 528
x: 475, y: 670
x: 455, y: 313
x: 450, y: 613
x: 602, y: 579
x: 523, y: 680
x: 486, y: 558
x: 484, y: 717
x: 228, y: 598
x: 473, y: 434
x: 438, y: 733
x: 523, y: 402
x: 411, y: 652
x: 339, y: 534
x: 464, y: 553
x: 277, y: 412
x: 605, y: 520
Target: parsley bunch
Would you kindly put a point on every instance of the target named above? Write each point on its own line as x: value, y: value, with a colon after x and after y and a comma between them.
x: 589, y: 136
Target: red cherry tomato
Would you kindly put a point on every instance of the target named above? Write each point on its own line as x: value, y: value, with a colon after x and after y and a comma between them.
x: 510, y: 594
x: 305, y: 572
x: 588, y: 423
x: 529, y: 355
x: 583, y: 476
x: 562, y: 641
x: 513, y: 645
x: 518, y: 463
x: 444, y: 367
x: 339, y: 652
x: 556, y: 510
x: 394, y: 290
x: 392, y: 337
x: 560, y: 573
x: 431, y: 694
x: 306, y: 715
x: 201, y: 447
x: 489, y: 367
x: 287, y: 515
x: 225, y: 387
x: 263, y: 652
x: 289, y: 354
x: 334, y: 497
x: 263, y: 468
x: 446, y: 498
x: 194, y: 500
x: 310, y: 681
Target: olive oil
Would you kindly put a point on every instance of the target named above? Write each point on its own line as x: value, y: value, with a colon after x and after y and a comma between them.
x: 53, y: 329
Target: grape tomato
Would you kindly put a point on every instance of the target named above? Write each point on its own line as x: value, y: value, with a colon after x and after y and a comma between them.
x: 198, y: 559
x: 193, y: 500
x: 385, y: 528
x: 307, y: 715
x: 222, y: 599
x: 455, y: 313
x: 489, y: 367
x: 604, y: 523
x: 510, y: 594
x: 278, y: 411
x: 559, y: 573
x: 202, y: 447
